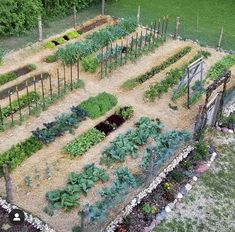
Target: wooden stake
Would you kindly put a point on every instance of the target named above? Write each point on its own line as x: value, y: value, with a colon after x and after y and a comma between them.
x: 103, y: 7
x: 138, y: 16
x: 8, y: 183
x: 141, y: 37
x: 155, y: 28
x: 40, y: 28
x: 116, y: 56
x: 58, y: 81
x: 127, y: 50
x: 18, y: 100
x: 121, y: 51
x: 188, y: 98
x: 136, y: 45
x: 50, y: 86
x: 78, y: 69
x: 101, y: 63
x: 43, y: 95
x: 35, y: 90
x: 158, y: 27
x: 1, y: 116
x: 220, y: 37
x: 177, y: 24
x: 166, y: 27
x: 110, y: 58
x: 75, y: 17
x: 9, y: 95
x: 64, y: 76
x: 71, y: 77
x: 106, y: 61
x: 27, y: 89
x: 163, y: 25
x: 146, y: 34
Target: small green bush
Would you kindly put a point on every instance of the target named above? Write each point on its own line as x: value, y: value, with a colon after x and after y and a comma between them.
x: 125, y: 112
x: 49, y: 45
x: 6, y: 77
x: 149, y: 209
x: 72, y: 34
x: 99, y: 105
x: 59, y: 40
x: 31, y: 67
x: 51, y: 58
x: 177, y: 176
x: 90, y: 63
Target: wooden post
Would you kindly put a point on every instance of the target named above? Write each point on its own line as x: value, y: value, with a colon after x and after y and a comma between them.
x: 9, y: 95
x: 188, y: 98
x: 220, y: 38
x: 18, y: 100
x: 141, y: 37
x: 138, y: 15
x: 116, y: 56
x: 8, y: 183
x: 43, y: 95
x: 101, y: 63
x: 27, y: 89
x: 132, y: 43
x: 166, y: 27
x: 158, y: 27
x: 35, y: 90
x: 1, y: 116
x: 126, y: 53
x: 64, y: 76
x: 136, y: 44
x: 40, y: 28
x: 71, y: 77
x: 146, y: 34
x: 85, y: 219
x: 103, y: 7
x: 177, y: 24
x: 58, y: 81
x: 106, y: 61
x: 163, y: 25
x: 75, y: 16
x: 78, y: 69
x: 155, y: 28
x: 50, y: 86
x: 121, y: 52
x: 110, y: 58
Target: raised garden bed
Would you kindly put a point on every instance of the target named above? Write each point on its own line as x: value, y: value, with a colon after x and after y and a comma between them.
x: 4, y: 93
x: 10, y: 76
x: 93, y: 25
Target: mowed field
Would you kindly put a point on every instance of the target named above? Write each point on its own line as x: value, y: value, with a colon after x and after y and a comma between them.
x: 201, y: 20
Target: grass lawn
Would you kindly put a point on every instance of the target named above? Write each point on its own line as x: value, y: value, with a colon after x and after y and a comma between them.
x: 211, y: 14
x: 210, y: 204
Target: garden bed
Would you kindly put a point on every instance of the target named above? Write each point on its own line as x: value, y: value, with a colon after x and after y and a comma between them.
x: 93, y: 25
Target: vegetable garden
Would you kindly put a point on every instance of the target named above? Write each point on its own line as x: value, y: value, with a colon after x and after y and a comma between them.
x: 100, y: 121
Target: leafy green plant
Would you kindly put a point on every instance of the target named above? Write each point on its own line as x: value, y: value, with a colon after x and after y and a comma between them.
x: 59, y: 40
x: 24, y: 100
x: 31, y: 67
x: 131, y: 83
x: 90, y: 63
x: 6, y: 77
x: 49, y: 45
x: 220, y: 67
x: 187, y: 165
x: 51, y: 58
x: 123, y: 175
x: 125, y: 112
x: 18, y: 153
x: 28, y: 181
x: 177, y: 176
x: 72, y: 34
x: 99, y: 105
x: 173, y: 107
x: 149, y: 209
x: 167, y: 186
x: 82, y: 143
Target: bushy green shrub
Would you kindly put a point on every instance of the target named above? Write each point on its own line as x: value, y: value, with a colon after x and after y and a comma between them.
x: 59, y: 40
x: 82, y: 143
x: 149, y: 209
x: 4, y: 78
x: 51, y: 58
x: 99, y: 105
x: 31, y: 67
x: 177, y: 176
x: 18, y: 153
x: 72, y: 34
x: 90, y: 63
x: 125, y: 112
x: 49, y: 45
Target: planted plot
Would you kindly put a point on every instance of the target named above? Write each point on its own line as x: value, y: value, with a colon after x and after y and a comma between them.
x: 132, y: 83
x: 10, y: 76
x: 77, y: 184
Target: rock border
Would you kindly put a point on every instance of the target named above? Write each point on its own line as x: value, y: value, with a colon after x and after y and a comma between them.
x: 34, y: 221
x: 137, y: 200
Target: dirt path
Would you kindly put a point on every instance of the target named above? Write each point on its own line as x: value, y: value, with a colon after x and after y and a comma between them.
x: 52, y: 158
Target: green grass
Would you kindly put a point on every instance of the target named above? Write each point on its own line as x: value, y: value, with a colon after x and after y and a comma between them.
x: 213, y: 14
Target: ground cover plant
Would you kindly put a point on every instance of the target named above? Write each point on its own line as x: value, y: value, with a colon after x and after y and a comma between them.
x: 172, y: 78
x: 220, y: 67
x: 98, y: 105
x: 133, y: 82
x: 93, y: 42
x: 62, y: 124
x: 23, y: 101
x: 18, y: 153
x: 51, y: 59
x: 2, y: 54
x: 77, y: 184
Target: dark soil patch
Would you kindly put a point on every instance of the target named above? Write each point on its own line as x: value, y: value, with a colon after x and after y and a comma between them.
x: 66, y: 37
x: 22, y: 85
x: 105, y: 127
x: 93, y: 25
x: 55, y: 42
x: 116, y: 119
x: 4, y: 222
x: 22, y: 71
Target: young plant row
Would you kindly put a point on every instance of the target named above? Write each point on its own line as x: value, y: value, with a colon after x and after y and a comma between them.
x: 172, y: 78
x: 129, y: 143
x: 77, y: 184
x: 10, y: 76
x: 93, y: 42
x: 220, y: 67
x: 132, y: 83
x: 23, y: 101
x: 93, y: 136
x: 109, y: 196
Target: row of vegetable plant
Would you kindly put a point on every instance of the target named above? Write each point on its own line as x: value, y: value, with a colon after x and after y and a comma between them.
x: 220, y: 67
x: 172, y: 78
x: 77, y: 184
x: 91, y: 137
x: 93, y: 42
x: 20, y: 103
x: 129, y: 143
x: 133, y: 82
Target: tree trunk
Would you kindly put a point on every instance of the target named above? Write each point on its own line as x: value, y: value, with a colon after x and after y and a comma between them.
x: 8, y: 183
x: 103, y: 7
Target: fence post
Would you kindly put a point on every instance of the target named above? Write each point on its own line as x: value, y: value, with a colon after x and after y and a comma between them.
x: 71, y: 77
x: 64, y: 76
x: 220, y: 38
x: 43, y: 96
x: 1, y: 116
x: 177, y: 24
x: 132, y: 43
x: 40, y: 28
x: 8, y: 183
x: 138, y: 16
x: 101, y: 63
x: 121, y: 52
x: 136, y: 45
x: 18, y: 99
x: 163, y: 25
x: 158, y: 27
x: 58, y: 81
x: 146, y: 34
x: 78, y: 69
x: 188, y: 90
x: 110, y: 58
x: 50, y: 86
x: 126, y: 52
x: 116, y: 56
x: 103, y: 7
x: 9, y: 96
x: 106, y: 61
x: 35, y: 90
x: 166, y: 27
x: 27, y: 89
x: 155, y: 28
x: 75, y: 16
